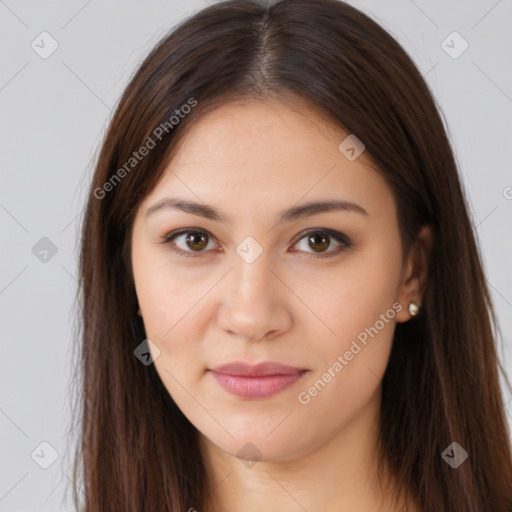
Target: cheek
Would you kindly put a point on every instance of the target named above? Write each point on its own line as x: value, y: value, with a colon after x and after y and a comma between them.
x: 171, y: 312
x: 168, y: 299
x: 174, y: 307
x: 175, y: 327
x: 351, y: 363
x: 361, y: 314
x: 354, y: 298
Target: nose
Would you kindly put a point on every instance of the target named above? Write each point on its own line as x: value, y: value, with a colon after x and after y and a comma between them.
x: 254, y: 306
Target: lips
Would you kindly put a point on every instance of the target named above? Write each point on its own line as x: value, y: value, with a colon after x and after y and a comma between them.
x: 256, y: 381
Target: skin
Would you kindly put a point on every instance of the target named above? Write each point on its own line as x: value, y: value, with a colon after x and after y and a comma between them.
x: 252, y: 160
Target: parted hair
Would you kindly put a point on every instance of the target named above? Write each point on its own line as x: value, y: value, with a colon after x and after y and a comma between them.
x: 136, y: 450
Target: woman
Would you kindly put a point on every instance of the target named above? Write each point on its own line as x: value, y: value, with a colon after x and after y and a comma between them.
x: 283, y: 302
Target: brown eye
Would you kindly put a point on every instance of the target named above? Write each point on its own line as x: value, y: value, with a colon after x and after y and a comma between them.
x: 197, y: 241
x: 318, y: 242
x: 191, y: 243
x: 188, y: 241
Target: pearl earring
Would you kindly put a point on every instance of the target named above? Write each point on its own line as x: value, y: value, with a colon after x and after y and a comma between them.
x: 413, y: 308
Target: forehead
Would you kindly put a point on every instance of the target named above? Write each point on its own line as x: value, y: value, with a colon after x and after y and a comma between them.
x: 244, y: 155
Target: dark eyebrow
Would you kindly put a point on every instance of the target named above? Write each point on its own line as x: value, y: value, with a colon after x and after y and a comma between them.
x: 297, y: 212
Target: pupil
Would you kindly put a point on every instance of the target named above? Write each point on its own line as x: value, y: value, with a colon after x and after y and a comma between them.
x: 322, y: 237
x: 192, y: 240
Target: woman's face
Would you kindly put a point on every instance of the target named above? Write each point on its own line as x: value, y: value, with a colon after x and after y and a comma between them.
x: 271, y: 281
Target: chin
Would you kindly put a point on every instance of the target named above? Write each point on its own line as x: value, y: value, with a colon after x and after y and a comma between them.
x: 256, y: 445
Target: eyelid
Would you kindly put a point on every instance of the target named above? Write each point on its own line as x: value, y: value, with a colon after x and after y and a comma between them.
x: 344, y: 241
x: 168, y: 239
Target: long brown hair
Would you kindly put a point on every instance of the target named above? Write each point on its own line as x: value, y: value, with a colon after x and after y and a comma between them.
x: 136, y: 450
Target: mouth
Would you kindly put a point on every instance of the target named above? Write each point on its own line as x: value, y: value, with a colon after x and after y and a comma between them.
x: 256, y: 381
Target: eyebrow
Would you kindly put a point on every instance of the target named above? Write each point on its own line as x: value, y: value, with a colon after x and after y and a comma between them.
x: 297, y: 212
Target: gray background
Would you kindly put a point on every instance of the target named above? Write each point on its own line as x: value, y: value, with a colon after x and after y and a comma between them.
x: 54, y: 113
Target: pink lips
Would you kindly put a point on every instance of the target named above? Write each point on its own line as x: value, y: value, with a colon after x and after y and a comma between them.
x: 258, y: 381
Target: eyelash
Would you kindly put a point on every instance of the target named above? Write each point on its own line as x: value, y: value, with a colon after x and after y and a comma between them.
x: 339, y: 237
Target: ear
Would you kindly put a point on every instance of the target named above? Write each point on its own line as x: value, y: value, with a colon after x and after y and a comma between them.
x: 414, y: 279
